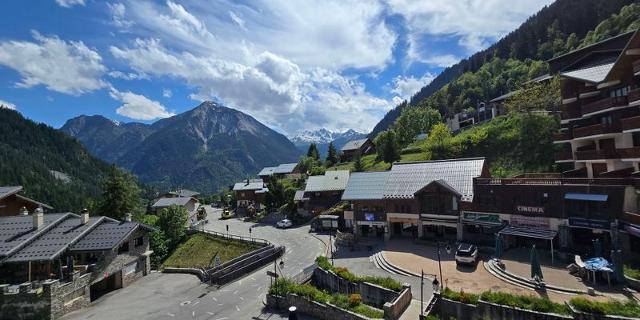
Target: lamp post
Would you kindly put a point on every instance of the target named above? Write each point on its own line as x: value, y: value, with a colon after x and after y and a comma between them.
x: 448, y: 248
x: 331, y: 247
x: 421, y: 294
x: 251, y: 238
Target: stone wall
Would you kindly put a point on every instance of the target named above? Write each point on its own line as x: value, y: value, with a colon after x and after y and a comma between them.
x: 114, y: 262
x: 487, y: 310
x: 395, y: 308
x: 312, y: 308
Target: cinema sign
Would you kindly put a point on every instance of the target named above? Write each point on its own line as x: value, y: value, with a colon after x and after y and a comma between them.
x: 530, y: 209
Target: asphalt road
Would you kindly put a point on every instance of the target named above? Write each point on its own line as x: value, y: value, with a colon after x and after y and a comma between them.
x: 177, y: 296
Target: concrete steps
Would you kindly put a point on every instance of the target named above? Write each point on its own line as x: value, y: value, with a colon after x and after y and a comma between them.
x: 381, y: 262
x: 492, y: 267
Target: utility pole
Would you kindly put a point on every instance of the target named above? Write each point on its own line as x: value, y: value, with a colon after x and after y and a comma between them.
x: 440, y: 267
x: 421, y: 294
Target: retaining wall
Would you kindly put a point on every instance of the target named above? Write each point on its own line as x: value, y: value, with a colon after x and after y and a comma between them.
x: 312, y: 308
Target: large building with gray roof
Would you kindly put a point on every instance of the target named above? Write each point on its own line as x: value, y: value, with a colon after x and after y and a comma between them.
x: 325, y: 191
x: 12, y: 201
x: 90, y: 254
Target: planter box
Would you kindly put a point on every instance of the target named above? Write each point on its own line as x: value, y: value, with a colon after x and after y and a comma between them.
x: 490, y: 310
x: 312, y: 308
x: 579, y: 315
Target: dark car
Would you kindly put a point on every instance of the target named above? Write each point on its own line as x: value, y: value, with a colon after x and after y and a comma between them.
x: 466, y: 254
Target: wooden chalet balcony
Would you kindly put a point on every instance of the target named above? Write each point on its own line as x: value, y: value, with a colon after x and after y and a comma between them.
x: 596, y: 154
x: 627, y: 181
x: 562, y: 136
x: 634, y: 95
x: 629, y: 153
x: 604, y: 104
x: 631, y: 217
x: 570, y: 111
x: 596, y: 129
x: 630, y: 123
x: 563, y: 155
x: 636, y: 66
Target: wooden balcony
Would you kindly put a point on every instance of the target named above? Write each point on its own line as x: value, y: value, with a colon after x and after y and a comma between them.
x: 628, y: 181
x: 630, y: 123
x: 562, y: 136
x: 634, y: 95
x: 563, y: 156
x: 604, y: 104
x: 570, y: 111
x: 636, y: 66
x: 596, y: 154
x: 629, y: 153
x: 596, y: 129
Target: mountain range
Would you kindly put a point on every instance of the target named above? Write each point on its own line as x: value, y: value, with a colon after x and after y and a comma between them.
x: 205, y: 149
x: 322, y: 137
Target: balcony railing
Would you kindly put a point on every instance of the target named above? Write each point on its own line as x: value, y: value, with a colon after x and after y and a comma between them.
x: 596, y: 129
x: 629, y: 153
x: 604, y: 104
x: 636, y: 66
x: 630, y: 123
x: 634, y: 95
x: 596, y: 154
x: 562, y: 136
x: 570, y: 111
x: 563, y: 155
x: 628, y: 181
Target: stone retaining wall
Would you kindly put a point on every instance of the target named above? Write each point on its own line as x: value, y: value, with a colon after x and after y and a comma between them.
x: 312, y: 308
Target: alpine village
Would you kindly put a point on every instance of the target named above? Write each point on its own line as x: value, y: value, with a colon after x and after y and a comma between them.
x: 504, y: 184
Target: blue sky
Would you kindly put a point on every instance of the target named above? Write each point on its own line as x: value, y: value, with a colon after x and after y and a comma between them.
x: 293, y: 65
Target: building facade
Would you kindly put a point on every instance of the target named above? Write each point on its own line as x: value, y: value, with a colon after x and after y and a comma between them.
x: 249, y: 196
x: 13, y: 203
x: 351, y: 148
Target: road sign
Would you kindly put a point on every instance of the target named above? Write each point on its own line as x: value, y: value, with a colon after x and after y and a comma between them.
x: 272, y: 274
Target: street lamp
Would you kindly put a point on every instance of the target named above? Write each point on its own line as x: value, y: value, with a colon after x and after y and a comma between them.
x: 250, y: 234
x: 448, y: 248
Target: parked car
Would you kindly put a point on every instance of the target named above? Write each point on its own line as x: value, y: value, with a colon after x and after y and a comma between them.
x: 226, y: 214
x: 466, y: 254
x: 286, y: 223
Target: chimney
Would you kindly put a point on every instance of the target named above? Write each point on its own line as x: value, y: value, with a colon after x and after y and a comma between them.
x: 84, y: 216
x: 127, y: 217
x: 38, y: 218
x: 24, y: 211
x: 247, y: 181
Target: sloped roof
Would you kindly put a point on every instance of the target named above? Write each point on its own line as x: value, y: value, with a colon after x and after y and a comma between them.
x: 253, y: 184
x: 330, y: 181
x: 266, y: 171
x: 299, y: 196
x: 405, y: 179
x: 365, y: 186
x: 284, y: 168
x: 354, y: 144
x: 166, y: 202
x: 185, y: 193
x: 443, y: 184
x: 19, y: 241
x: 9, y: 190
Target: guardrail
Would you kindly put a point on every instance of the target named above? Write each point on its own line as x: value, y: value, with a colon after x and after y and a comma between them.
x: 232, y: 236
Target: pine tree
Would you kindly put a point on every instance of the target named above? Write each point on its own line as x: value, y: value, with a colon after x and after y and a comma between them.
x: 173, y: 223
x: 358, y: 165
x: 312, y: 152
x: 332, y: 155
x: 120, y: 195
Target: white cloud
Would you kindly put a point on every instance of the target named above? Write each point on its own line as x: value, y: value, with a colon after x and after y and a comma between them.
x: 272, y: 88
x: 127, y: 76
x: 70, y: 3
x: 7, y: 105
x: 442, y: 61
x: 63, y: 66
x: 167, y: 93
x: 405, y: 87
x: 139, y: 107
x: 476, y: 22
x: 239, y: 21
x: 118, y: 13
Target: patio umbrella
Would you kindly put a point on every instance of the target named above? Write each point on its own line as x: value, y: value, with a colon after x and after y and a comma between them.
x: 536, y: 270
x: 597, y: 248
x: 498, y: 252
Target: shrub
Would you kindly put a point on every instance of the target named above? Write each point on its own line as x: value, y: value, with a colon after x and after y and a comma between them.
x: 612, y: 307
x: 524, y: 302
x: 355, y: 299
x: 460, y: 296
x: 342, y: 272
x: 632, y: 272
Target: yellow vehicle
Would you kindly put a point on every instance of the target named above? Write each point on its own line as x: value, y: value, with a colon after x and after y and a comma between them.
x: 226, y: 214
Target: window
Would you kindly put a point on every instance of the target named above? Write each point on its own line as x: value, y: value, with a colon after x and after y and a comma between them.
x: 636, y: 138
x: 620, y: 92
x: 606, y: 120
x: 123, y: 248
x: 139, y: 242
x: 454, y: 203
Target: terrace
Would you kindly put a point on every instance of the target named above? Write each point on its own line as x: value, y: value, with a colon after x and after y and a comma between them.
x: 604, y: 104
x: 629, y: 124
x: 596, y: 129
x: 596, y: 154
x: 627, y: 181
x: 629, y: 153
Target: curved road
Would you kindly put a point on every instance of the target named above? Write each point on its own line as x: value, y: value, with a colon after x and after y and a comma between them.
x: 178, y: 296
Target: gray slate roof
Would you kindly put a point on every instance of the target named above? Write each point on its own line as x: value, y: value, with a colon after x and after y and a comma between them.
x: 254, y: 184
x: 593, y: 69
x: 266, y: 171
x: 299, y: 196
x: 19, y: 242
x: 405, y: 179
x: 7, y: 191
x: 185, y: 193
x: 365, y: 186
x: 166, y: 202
x: 284, y: 168
x: 330, y: 181
x: 353, y: 144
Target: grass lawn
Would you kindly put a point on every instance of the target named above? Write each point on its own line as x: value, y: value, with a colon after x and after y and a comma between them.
x: 199, y: 249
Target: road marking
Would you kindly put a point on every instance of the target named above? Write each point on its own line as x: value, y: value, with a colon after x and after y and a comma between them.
x: 259, y: 288
x: 193, y: 314
x: 214, y: 299
x: 235, y: 292
x: 225, y: 318
x: 171, y: 314
x: 237, y: 309
x: 210, y: 313
x: 252, y: 278
x: 194, y: 304
x: 185, y: 303
x: 241, y: 299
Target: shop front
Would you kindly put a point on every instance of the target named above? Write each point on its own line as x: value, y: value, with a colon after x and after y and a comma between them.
x: 480, y: 227
x: 629, y: 235
x: 583, y: 233
x: 403, y: 224
x: 525, y: 231
x: 439, y: 227
x: 371, y: 224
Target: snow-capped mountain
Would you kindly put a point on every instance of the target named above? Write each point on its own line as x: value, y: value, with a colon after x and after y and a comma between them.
x: 322, y: 138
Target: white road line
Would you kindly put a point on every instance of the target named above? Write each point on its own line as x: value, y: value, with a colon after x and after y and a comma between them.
x: 210, y: 313
x: 235, y: 292
x: 241, y: 299
x: 193, y: 314
x: 237, y: 309
x: 214, y: 299
x: 171, y: 314
x: 194, y: 304
x: 252, y: 278
x: 224, y: 318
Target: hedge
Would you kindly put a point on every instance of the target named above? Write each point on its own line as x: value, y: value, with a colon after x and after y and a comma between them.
x: 385, y: 282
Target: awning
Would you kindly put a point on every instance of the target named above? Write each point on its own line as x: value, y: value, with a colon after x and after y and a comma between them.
x: 586, y: 197
x: 528, y: 232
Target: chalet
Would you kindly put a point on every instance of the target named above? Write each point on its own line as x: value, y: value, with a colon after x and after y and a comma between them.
x: 188, y: 203
x: 285, y: 170
x: 249, y: 195
x: 13, y: 203
x: 420, y: 199
x: 362, y: 146
x: 186, y: 193
x: 52, y: 264
x: 325, y: 191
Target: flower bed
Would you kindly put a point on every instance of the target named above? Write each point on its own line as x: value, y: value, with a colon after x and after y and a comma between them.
x: 632, y: 273
x: 385, y: 282
x: 352, y: 302
x: 460, y: 296
x: 525, y: 302
x: 612, y: 307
